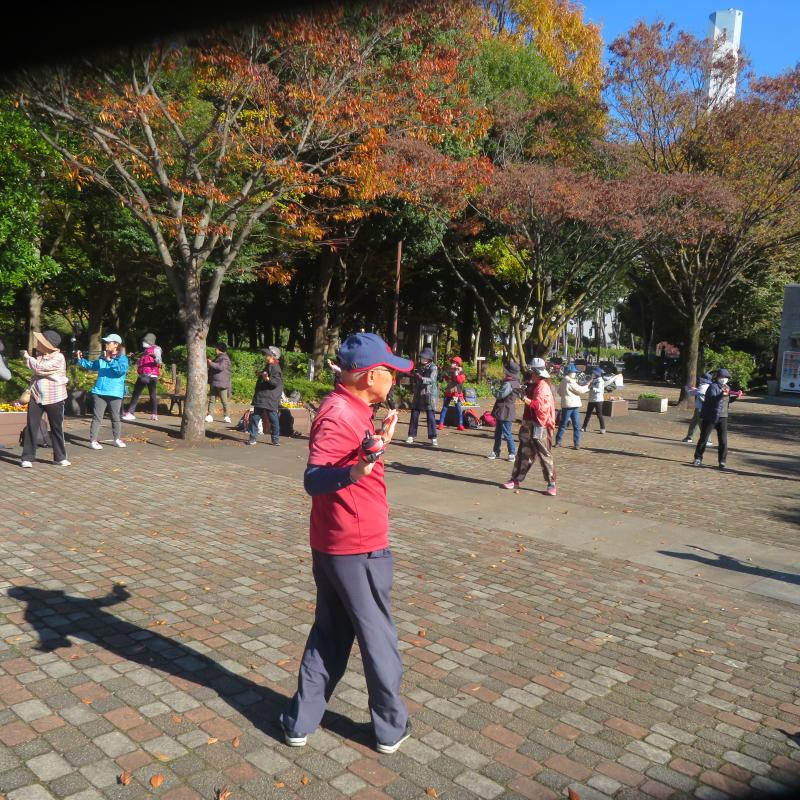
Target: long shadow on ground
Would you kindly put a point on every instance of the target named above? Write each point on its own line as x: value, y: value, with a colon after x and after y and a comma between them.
x: 734, y: 564
x: 56, y: 616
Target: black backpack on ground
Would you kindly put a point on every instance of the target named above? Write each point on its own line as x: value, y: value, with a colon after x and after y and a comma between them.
x: 43, y: 436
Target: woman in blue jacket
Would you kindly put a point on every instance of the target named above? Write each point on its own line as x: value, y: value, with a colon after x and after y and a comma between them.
x: 109, y: 389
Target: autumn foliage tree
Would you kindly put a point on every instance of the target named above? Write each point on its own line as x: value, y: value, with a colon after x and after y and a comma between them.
x: 724, y: 175
x: 205, y: 141
x: 550, y: 240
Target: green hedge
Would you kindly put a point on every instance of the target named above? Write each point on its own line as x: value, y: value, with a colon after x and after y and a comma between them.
x: 740, y: 364
x: 246, y: 364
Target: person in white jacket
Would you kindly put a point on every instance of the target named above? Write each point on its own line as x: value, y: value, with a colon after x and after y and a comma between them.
x: 698, y: 392
x: 597, y: 389
x: 570, y: 391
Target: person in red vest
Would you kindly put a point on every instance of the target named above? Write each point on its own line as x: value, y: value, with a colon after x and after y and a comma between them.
x: 351, y: 559
x: 454, y: 391
x: 148, y: 370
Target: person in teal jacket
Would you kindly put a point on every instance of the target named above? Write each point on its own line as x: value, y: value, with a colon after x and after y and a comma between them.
x: 109, y: 389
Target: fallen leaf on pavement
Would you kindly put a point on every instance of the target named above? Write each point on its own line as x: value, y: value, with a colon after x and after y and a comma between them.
x: 305, y: 780
x: 431, y: 792
x: 223, y: 794
x: 156, y: 781
x: 573, y: 795
x: 124, y: 778
x: 176, y: 719
x: 213, y: 740
x: 422, y: 632
x: 236, y: 741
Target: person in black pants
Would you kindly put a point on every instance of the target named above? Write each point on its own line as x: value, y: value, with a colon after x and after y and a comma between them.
x: 267, y: 398
x: 714, y: 415
x: 426, y: 397
x: 48, y: 392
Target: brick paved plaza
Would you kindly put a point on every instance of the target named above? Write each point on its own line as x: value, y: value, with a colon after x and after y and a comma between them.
x: 637, y: 636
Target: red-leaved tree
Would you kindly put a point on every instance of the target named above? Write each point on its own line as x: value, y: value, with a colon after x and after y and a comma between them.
x: 207, y: 140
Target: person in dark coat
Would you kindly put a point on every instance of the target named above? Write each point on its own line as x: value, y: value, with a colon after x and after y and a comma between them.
x: 714, y: 415
x: 505, y: 410
x: 219, y: 378
x: 267, y: 398
x: 426, y: 396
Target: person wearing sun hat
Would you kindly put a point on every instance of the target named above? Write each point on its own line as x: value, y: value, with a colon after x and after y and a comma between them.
x: 351, y: 559
x: 48, y: 391
x: 109, y: 388
x: 570, y: 391
x: 536, y: 430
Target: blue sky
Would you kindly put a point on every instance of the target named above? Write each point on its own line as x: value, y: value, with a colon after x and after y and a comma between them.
x: 770, y: 28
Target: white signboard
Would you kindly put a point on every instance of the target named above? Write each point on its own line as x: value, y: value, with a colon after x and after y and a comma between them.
x: 790, y: 371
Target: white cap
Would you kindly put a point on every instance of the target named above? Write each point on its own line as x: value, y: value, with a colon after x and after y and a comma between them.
x: 538, y: 364
x: 112, y: 337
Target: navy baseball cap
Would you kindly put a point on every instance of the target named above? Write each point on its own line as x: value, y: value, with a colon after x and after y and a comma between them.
x: 363, y: 351
x: 723, y: 373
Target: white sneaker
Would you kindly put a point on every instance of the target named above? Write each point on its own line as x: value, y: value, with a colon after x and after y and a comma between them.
x: 209, y: 418
x: 63, y: 463
x: 409, y: 440
x: 227, y: 419
x: 128, y: 417
x: 512, y: 456
x: 154, y: 417
x: 434, y: 442
x: 119, y: 443
x: 26, y: 465
x: 95, y: 445
x: 492, y: 456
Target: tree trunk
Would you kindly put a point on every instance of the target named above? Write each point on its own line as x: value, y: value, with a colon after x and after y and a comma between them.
x: 34, y: 316
x: 320, y: 307
x: 194, y: 408
x: 465, y: 321
x: 97, y: 312
x: 694, y: 329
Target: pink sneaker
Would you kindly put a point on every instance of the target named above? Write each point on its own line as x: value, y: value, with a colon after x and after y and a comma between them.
x: 511, y: 485
x: 551, y: 489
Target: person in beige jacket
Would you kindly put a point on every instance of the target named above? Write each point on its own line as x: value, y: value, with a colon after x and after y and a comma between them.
x: 569, y: 392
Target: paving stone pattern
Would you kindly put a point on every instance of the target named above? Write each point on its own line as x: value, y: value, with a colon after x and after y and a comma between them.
x: 154, y: 604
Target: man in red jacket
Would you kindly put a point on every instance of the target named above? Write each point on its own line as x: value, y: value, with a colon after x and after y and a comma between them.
x: 352, y: 562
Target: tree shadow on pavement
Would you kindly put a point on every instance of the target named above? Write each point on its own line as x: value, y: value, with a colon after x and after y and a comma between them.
x: 56, y: 616
x: 689, y: 446
x: 728, y: 562
x: 688, y: 463
x: 432, y: 473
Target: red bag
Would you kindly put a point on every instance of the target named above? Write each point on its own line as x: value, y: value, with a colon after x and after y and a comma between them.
x: 488, y: 420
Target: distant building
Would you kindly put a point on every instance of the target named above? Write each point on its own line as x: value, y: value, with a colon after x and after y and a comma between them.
x: 726, y: 34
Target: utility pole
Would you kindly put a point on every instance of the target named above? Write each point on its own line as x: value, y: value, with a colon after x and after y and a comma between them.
x: 396, y: 319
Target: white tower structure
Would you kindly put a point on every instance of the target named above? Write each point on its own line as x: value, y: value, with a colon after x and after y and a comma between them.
x: 725, y: 33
